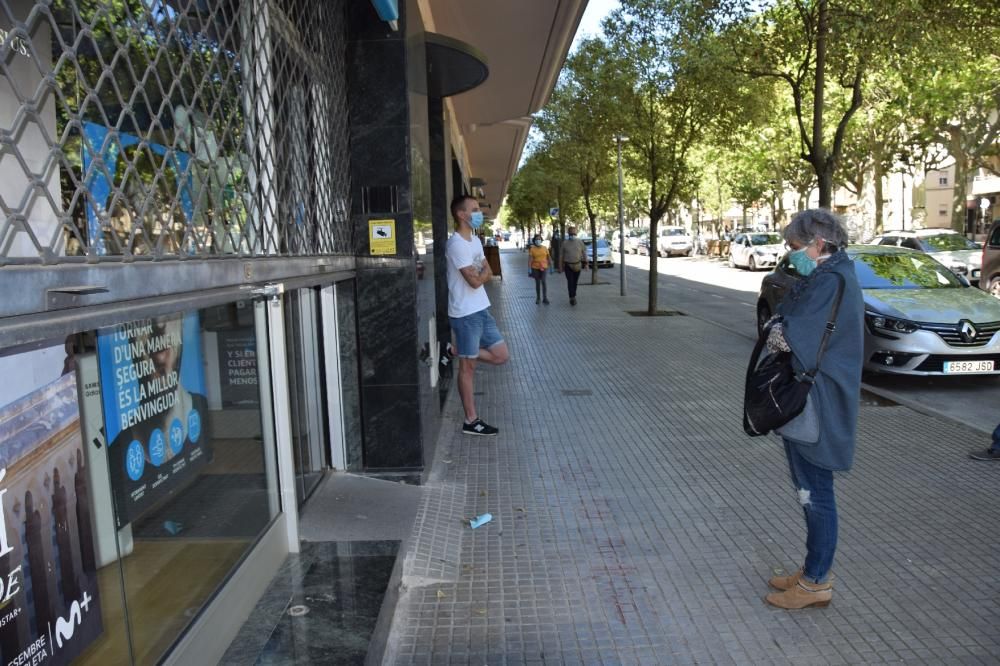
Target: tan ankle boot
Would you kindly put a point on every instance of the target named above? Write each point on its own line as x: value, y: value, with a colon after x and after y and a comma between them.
x: 802, y: 595
x: 785, y: 582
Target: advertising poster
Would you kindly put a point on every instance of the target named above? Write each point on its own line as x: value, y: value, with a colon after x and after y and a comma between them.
x: 238, y: 369
x: 153, y: 392
x: 49, y: 606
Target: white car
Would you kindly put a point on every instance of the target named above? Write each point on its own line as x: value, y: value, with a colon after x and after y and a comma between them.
x: 603, y: 252
x: 949, y: 247
x: 756, y: 250
x: 672, y: 241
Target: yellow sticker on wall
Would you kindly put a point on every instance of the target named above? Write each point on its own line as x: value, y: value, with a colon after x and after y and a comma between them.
x: 382, y: 236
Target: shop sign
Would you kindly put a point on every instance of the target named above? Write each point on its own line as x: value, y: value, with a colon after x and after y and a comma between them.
x: 49, y: 601
x: 153, y: 393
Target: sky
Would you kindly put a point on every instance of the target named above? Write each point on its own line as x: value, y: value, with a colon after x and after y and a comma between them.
x: 590, y: 25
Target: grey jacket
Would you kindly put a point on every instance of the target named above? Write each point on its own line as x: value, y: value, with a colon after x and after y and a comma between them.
x: 837, y: 393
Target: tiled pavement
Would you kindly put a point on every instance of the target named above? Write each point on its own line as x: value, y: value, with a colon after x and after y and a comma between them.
x: 635, y: 523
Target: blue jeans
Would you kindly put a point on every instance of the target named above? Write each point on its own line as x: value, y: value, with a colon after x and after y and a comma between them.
x: 815, y: 489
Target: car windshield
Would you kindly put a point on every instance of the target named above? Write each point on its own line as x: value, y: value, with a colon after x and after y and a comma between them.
x: 903, y: 270
x: 674, y: 232
x: 601, y: 243
x: 948, y: 242
x: 766, y: 239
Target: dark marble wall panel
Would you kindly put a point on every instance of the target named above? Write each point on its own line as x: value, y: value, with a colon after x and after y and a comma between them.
x: 392, y: 427
x: 390, y: 148
x: 387, y: 322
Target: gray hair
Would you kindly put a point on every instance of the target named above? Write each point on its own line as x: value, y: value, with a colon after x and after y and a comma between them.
x: 808, y: 225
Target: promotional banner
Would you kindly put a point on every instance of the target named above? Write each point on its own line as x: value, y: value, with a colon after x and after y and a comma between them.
x: 153, y: 392
x: 49, y: 606
x: 238, y: 368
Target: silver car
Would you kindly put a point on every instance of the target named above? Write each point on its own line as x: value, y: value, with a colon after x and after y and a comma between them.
x: 920, y: 317
x: 951, y: 248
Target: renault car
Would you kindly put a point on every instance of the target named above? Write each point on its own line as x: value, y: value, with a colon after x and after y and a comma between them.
x: 920, y: 317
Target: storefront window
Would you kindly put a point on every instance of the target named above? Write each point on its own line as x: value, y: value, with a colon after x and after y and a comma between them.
x: 191, y: 478
x: 134, y: 476
x: 60, y: 585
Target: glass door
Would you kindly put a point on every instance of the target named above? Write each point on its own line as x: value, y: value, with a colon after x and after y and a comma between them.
x: 306, y: 388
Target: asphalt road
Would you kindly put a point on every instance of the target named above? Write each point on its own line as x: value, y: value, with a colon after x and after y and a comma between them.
x: 710, y: 290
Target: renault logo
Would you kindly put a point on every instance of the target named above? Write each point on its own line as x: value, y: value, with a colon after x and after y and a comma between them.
x: 967, y: 331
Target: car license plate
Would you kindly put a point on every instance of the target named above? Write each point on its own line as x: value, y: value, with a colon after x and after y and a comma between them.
x: 959, y: 367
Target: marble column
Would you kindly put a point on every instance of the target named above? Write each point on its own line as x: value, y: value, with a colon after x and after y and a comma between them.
x: 386, y: 286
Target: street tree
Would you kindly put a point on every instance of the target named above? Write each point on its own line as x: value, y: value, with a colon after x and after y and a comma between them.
x: 579, y: 125
x: 674, y: 79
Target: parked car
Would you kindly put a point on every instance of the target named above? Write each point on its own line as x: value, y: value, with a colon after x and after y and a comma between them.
x: 603, y: 252
x: 674, y: 241
x: 989, y: 280
x: 949, y: 247
x: 642, y: 246
x: 756, y: 250
x: 633, y: 238
x: 920, y: 318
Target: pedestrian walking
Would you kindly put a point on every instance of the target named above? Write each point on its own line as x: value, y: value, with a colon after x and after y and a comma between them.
x: 573, y: 260
x: 992, y: 453
x: 476, y: 334
x: 821, y: 440
x: 539, y: 259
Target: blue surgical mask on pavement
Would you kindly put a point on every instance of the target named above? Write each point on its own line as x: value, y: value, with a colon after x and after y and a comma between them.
x: 802, y: 262
x: 476, y: 220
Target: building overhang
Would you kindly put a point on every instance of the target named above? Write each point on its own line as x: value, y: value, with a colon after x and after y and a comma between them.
x: 525, y: 43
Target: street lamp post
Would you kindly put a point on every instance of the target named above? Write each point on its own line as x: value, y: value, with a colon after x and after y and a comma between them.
x: 621, y: 216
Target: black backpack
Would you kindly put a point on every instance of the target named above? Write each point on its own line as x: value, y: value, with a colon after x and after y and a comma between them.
x: 774, y: 393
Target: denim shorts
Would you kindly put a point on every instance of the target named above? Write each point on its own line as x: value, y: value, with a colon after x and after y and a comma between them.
x: 474, y: 332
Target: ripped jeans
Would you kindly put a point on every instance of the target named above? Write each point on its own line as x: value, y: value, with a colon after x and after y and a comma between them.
x: 814, y: 486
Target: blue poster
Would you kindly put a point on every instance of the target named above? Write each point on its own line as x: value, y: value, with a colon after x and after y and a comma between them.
x: 153, y: 394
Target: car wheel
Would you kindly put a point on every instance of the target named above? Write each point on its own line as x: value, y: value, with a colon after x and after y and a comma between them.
x: 753, y: 264
x: 688, y: 253
x: 995, y: 287
x: 732, y: 261
x: 763, y: 314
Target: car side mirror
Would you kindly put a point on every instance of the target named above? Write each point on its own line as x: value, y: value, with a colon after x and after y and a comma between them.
x: 964, y: 280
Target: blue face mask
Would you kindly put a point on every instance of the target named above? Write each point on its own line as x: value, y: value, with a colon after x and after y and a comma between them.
x: 476, y: 220
x: 538, y: 243
x: 802, y: 262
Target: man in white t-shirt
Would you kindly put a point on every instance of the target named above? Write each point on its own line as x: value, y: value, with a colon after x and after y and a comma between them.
x: 476, y: 334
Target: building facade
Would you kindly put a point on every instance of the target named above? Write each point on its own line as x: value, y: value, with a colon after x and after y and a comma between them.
x: 212, y: 291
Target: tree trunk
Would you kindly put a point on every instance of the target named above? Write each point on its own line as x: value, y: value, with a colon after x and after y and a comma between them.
x: 593, y: 244
x: 825, y: 177
x: 877, y: 177
x: 963, y: 166
x: 654, y: 278
x: 824, y: 172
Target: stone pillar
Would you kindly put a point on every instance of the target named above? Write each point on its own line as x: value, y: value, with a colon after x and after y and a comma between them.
x: 386, y: 286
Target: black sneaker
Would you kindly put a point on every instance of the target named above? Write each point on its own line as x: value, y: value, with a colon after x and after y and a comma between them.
x: 985, y: 454
x: 477, y: 427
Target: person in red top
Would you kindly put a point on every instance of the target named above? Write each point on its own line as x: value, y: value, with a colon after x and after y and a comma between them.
x: 539, y: 257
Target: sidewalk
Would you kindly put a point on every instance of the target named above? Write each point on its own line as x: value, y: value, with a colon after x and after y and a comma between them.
x: 634, y: 522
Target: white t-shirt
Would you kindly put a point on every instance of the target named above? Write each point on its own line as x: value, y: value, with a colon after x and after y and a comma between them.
x: 463, y: 300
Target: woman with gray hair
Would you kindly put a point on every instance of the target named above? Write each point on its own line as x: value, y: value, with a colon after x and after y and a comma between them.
x: 820, y: 441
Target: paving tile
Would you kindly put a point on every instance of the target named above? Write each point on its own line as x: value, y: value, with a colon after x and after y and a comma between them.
x: 634, y: 522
